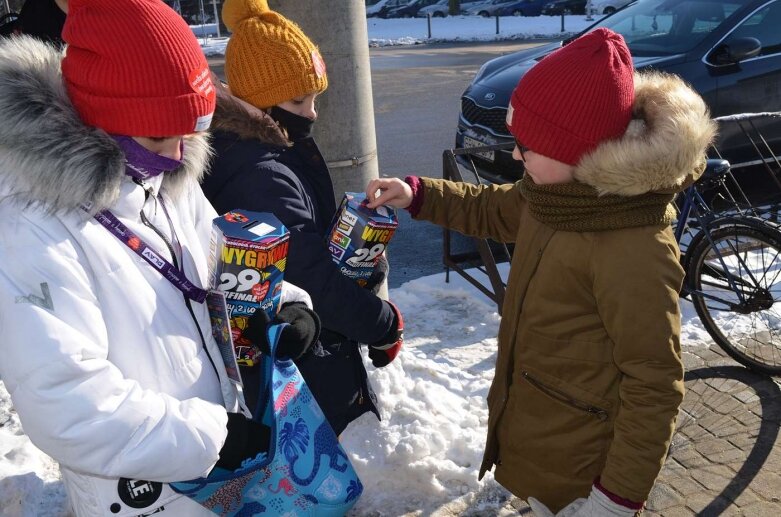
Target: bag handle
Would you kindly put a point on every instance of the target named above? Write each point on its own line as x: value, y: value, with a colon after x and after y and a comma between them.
x: 266, y: 417
x: 273, y: 331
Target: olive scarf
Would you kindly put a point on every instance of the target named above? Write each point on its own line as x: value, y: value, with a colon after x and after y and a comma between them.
x: 577, y: 207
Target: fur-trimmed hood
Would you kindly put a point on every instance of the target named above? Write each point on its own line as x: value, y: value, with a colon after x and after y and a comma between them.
x: 664, y: 147
x: 48, y: 157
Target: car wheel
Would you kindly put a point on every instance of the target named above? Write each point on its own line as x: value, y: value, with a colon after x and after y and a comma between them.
x: 406, y: 15
x: 609, y: 10
x: 439, y: 15
x: 517, y: 12
x: 484, y: 14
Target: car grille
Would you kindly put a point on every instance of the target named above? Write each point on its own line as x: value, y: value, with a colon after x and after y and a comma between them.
x: 493, y: 119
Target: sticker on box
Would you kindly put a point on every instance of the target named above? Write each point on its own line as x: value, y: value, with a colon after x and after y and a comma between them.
x: 336, y: 252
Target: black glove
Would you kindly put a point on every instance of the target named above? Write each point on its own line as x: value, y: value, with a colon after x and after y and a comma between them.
x: 385, y: 350
x: 380, y: 273
x: 246, y: 439
x: 296, y: 338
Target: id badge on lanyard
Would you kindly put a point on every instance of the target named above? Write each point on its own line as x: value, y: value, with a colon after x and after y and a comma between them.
x: 218, y: 313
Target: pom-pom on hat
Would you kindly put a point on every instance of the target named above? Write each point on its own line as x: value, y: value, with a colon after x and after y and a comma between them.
x: 575, y: 98
x: 134, y: 67
x: 269, y: 59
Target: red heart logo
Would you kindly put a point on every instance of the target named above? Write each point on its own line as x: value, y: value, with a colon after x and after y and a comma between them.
x: 236, y: 334
x: 259, y: 291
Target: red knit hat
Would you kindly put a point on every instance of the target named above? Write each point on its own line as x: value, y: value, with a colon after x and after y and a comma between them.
x: 134, y: 67
x: 575, y: 98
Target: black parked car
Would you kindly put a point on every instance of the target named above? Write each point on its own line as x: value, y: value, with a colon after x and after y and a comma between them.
x: 557, y: 7
x: 409, y: 10
x: 522, y: 8
x: 728, y: 50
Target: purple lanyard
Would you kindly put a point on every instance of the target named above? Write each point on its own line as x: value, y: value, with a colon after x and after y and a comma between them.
x: 142, y: 249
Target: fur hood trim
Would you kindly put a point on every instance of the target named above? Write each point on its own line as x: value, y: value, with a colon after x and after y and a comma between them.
x: 236, y: 116
x: 664, y: 147
x: 48, y: 157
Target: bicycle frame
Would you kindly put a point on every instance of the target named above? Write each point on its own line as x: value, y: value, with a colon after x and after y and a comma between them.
x: 706, y: 218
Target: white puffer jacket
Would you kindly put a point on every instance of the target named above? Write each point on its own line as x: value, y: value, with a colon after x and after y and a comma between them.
x: 111, y: 372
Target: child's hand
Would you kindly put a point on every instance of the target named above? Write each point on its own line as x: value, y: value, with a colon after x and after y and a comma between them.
x: 392, y: 191
x: 296, y: 338
x: 246, y: 439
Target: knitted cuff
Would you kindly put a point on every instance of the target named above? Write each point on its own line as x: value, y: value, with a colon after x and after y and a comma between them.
x: 632, y: 505
x: 417, y: 194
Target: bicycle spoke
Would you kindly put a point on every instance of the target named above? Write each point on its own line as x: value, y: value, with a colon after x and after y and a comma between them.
x: 777, y: 270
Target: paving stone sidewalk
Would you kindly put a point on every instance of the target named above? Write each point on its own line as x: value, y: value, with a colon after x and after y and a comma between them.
x: 725, y: 459
x: 726, y: 454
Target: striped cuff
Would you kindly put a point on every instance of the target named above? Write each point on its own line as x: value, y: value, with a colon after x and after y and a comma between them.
x: 417, y: 194
x: 626, y: 503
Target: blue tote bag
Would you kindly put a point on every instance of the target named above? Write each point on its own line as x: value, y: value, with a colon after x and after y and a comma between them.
x: 306, y: 472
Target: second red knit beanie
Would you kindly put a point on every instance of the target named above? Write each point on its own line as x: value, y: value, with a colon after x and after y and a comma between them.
x: 575, y: 98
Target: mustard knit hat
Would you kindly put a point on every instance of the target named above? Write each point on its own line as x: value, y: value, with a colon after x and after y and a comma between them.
x: 269, y: 59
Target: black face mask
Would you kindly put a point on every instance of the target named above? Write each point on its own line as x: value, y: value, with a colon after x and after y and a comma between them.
x: 297, y: 127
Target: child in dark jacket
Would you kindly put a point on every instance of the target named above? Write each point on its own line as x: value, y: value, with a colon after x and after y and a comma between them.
x: 266, y: 160
x: 588, y: 375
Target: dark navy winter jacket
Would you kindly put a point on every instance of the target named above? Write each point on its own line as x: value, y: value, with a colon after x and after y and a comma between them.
x: 294, y: 184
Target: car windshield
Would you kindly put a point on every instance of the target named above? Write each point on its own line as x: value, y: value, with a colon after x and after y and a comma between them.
x: 667, y: 27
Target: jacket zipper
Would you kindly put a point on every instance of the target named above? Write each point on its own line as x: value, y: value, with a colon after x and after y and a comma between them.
x: 170, y: 247
x: 359, y: 375
x: 600, y: 413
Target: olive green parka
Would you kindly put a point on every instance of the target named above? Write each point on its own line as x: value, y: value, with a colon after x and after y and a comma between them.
x: 588, y: 375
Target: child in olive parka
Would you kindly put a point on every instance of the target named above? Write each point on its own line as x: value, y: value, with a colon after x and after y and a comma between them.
x: 588, y: 376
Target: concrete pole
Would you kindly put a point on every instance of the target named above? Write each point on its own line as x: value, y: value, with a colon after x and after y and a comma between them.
x: 345, y: 127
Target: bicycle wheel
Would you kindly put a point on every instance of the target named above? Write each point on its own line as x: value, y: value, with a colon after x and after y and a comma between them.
x: 735, y: 286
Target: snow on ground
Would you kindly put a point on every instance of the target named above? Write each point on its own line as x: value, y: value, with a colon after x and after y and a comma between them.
x: 414, y: 31
x: 422, y: 459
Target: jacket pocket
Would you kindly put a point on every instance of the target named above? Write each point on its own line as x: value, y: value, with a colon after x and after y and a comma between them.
x: 553, y: 430
x: 600, y: 413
